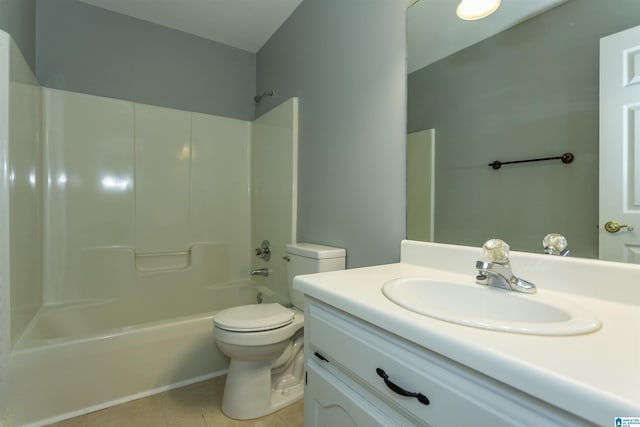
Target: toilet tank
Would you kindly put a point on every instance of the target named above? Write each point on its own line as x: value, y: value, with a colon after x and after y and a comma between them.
x: 307, y: 258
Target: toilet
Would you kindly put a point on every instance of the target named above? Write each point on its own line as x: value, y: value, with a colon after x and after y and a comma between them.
x: 265, y: 341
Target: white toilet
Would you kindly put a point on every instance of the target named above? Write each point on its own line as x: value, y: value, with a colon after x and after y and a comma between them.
x: 264, y: 341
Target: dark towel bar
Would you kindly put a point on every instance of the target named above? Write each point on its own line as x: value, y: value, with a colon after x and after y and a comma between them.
x: 566, y: 158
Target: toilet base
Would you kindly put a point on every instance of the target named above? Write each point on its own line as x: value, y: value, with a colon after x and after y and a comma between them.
x: 255, y: 389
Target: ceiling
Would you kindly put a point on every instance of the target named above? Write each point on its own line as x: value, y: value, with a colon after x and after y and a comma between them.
x: 435, y: 31
x: 244, y: 24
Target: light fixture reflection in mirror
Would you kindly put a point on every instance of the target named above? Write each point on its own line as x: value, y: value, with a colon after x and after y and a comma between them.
x: 470, y: 10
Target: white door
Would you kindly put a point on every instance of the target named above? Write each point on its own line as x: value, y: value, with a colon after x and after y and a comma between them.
x: 620, y: 146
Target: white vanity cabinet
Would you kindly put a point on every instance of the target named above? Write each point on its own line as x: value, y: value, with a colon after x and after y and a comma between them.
x: 357, y: 374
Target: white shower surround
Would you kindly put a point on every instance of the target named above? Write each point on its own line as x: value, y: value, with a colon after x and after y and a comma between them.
x: 153, y: 180
x: 5, y: 308
x: 119, y: 234
x: 20, y: 225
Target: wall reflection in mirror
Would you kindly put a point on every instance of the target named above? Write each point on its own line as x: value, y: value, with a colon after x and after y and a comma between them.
x: 530, y: 91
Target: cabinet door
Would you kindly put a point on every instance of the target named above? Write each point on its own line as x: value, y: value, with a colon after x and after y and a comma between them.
x: 330, y: 402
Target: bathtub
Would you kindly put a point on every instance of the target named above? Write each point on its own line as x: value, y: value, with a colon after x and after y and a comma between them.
x: 81, y: 357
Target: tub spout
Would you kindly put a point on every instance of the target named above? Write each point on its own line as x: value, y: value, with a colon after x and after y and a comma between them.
x: 260, y: 272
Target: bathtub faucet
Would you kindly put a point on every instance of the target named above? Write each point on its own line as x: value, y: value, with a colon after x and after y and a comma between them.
x: 260, y: 272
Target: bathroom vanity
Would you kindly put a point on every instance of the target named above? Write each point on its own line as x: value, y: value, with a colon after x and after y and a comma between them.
x: 370, y: 361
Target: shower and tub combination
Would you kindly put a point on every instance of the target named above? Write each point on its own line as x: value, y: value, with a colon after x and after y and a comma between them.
x: 129, y: 226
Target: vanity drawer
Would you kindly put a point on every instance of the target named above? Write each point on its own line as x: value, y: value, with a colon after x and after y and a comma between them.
x: 332, y: 402
x: 451, y: 393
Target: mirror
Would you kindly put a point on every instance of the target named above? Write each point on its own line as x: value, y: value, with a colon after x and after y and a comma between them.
x: 528, y: 91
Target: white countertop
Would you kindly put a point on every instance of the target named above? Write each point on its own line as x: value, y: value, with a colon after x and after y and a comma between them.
x: 595, y: 376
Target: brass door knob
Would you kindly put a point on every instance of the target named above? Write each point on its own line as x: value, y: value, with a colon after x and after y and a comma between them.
x: 615, y: 226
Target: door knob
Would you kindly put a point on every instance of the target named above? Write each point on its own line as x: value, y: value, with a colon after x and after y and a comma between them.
x: 615, y: 226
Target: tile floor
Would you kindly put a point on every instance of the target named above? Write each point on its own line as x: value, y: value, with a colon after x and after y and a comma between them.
x: 195, y: 405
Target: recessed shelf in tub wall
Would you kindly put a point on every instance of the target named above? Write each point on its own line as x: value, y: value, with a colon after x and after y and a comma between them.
x: 163, y: 261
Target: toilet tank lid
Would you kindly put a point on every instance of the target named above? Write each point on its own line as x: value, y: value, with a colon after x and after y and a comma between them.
x: 311, y: 250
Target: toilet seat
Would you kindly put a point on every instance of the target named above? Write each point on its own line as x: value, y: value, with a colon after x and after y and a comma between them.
x: 254, y: 318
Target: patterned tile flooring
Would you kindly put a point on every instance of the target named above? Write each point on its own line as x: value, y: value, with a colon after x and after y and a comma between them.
x: 195, y: 405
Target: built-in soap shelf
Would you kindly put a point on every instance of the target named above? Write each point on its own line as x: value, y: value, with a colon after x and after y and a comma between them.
x: 162, y: 261
x: 115, y: 271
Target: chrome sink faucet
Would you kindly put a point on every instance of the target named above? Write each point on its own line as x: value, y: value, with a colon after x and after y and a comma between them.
x: 497, y: 271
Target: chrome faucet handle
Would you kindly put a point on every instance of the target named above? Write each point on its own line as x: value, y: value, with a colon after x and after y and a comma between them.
x: 264, y: 251
x: 555, y: 244
x: 496, y: 250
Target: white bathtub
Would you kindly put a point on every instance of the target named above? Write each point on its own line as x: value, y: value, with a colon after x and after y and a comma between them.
x: 78, y: 358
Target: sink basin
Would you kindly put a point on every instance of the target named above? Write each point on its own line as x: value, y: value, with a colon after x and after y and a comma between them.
x: 490, y: 308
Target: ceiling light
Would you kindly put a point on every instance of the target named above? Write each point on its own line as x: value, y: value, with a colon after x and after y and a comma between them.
x: 476, y: 9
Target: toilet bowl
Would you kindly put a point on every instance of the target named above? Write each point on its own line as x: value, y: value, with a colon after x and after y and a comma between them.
x: 264, y: 342
x: 252, y: 390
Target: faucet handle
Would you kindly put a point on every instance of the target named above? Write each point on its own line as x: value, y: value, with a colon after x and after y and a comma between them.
x: 264, y: 251
x: 496, y: 250
x: 555, y: 244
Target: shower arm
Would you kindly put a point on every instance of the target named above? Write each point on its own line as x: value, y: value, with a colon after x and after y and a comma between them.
x: 258, y: 98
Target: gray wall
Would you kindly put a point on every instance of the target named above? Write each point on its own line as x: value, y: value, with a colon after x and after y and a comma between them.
x: 18, y: 18
x: 82, y: 48
x: 529, y: 92
x: 346, y: 62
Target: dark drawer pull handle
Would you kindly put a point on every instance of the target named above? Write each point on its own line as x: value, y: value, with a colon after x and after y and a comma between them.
x: 397, y: 389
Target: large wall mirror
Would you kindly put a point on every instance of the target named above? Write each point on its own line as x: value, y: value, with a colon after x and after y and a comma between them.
x: 526, y: 88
